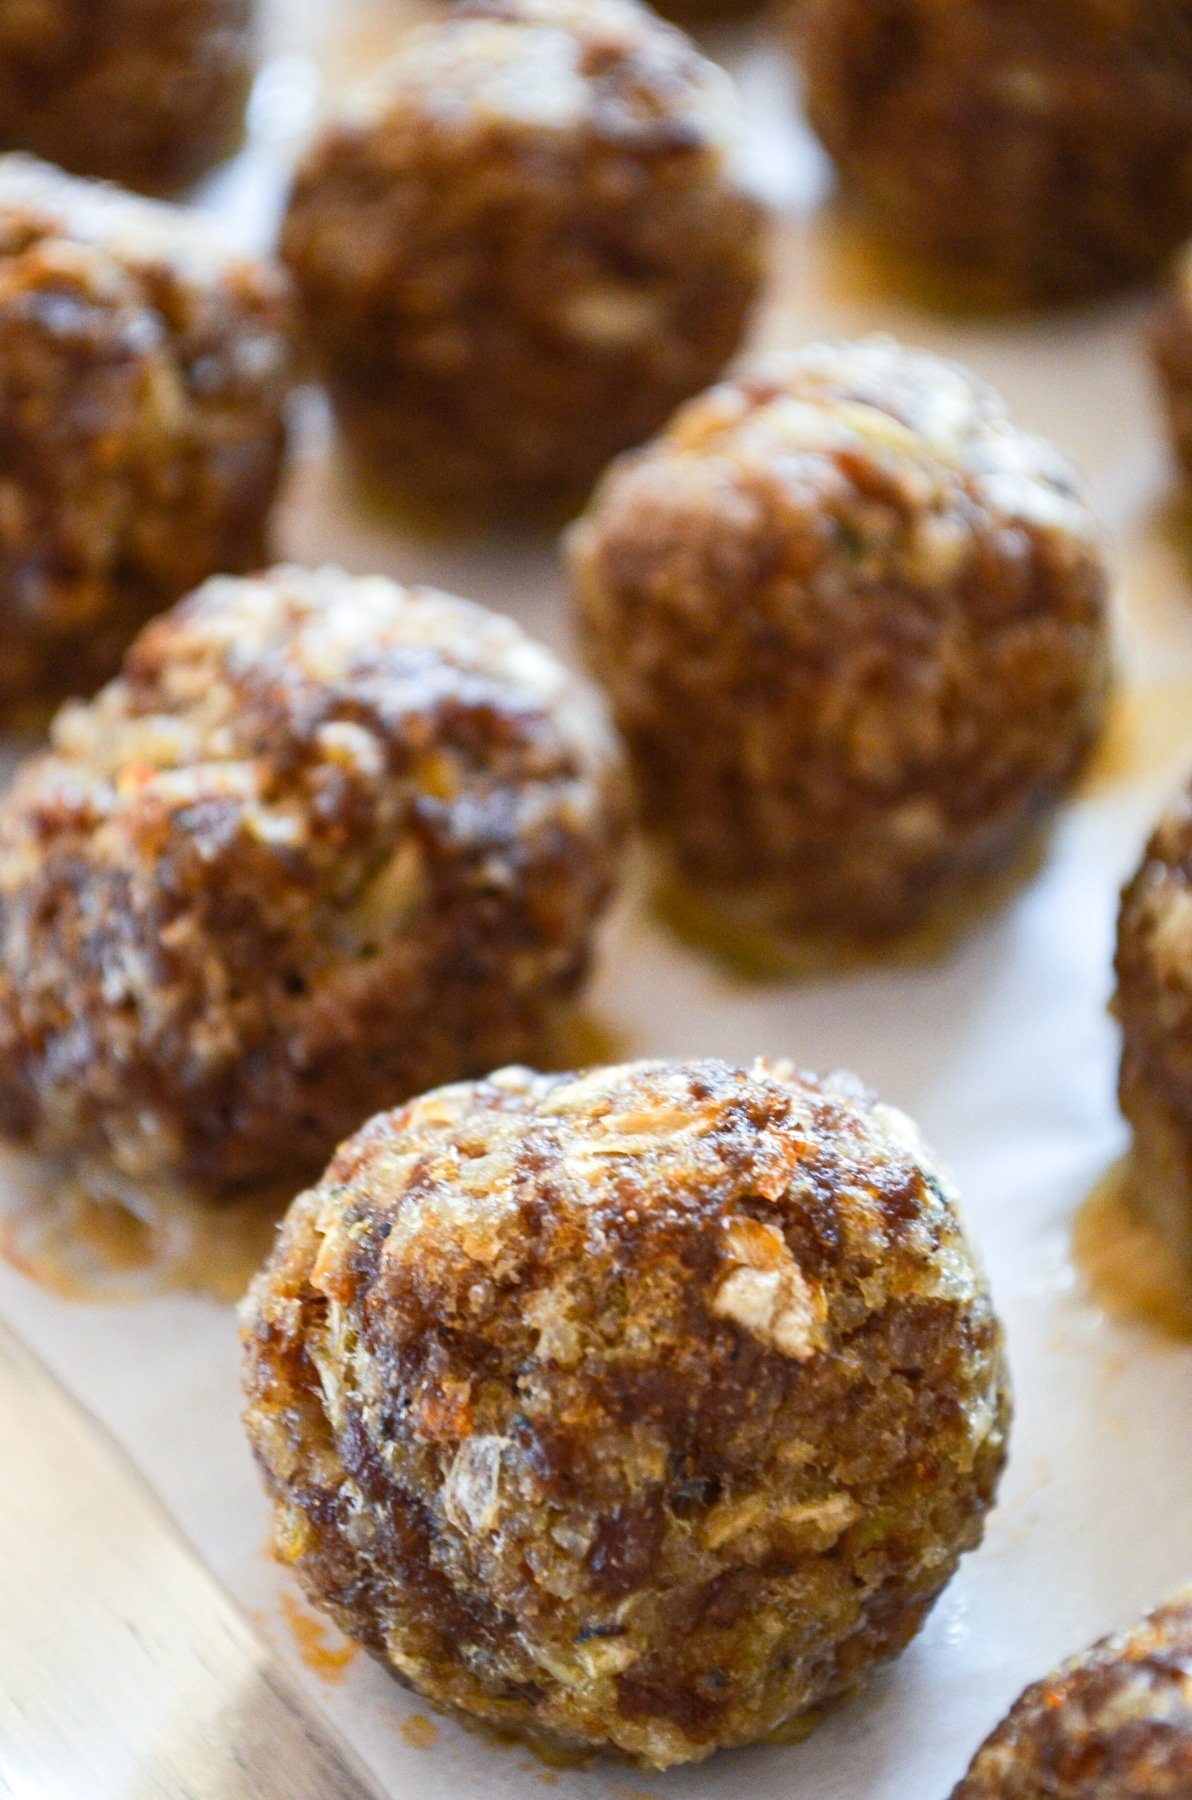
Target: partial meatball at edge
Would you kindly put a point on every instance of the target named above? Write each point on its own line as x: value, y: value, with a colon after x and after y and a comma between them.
x: 1114, y: 1723
x: 641, y: 1410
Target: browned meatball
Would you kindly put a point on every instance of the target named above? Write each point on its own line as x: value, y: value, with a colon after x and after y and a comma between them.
x: 644, y: 1409
x: 1113, y: 1724
x: 325, y: 841
x: 1044, y: 145
x: 524, y: 249
x: 1154, y: 1006
x: 1172, y: 348
x: 853, y: 626
x: 144, y: 367
x: 149, y: 93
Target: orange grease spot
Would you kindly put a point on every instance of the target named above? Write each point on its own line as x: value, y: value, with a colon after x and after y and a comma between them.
x: 320, y: 1646
x: 419, y: 1732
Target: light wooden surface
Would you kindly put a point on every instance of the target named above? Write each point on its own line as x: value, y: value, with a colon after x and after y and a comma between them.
x: 124, y: 1670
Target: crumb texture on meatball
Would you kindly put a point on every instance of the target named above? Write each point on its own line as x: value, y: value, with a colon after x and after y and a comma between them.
x: 524, y: 246
x: 1153, y: 1004
x: 1112, y: 1724
x: 642, y: 1409
x: 325, y: 841
x: 144, y: 368
x: 149, y: 93
x: 853, y: 625
x: 1046, y: 146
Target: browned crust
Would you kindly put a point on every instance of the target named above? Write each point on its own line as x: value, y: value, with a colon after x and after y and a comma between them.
x: 144, y: 368
x: 1153, y: 1003
x: 853, y: 627
x: 524, y: 249
x: 148, y: 93
x: 1112, y: 1724
x: 325, y: 841
x: 644, y: 1410
x: 1047, y: 146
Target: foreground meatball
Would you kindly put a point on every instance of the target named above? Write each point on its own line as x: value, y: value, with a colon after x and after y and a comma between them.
x: 325, y: 841
x: 144, y: 368
x: 1153, y: 1004
x: 149, y: 93
x: 1045, y: 147
x: 853, y: 626
x: 525, y: 249
x: 1113, y: 1724
x: 644, y: 1409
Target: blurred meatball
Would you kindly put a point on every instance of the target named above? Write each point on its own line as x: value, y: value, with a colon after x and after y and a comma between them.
x: 325, y: 841
x: 707, y: 12
x: 144, y: 367
x: 1113, y: 1724
x: 149, y: 93
x: 1154, y: 1006
x: 853, y: 626
x: 644, y: 1409
x: 1172, y: 350
x: 1045, y: 145
x: 524, y: 248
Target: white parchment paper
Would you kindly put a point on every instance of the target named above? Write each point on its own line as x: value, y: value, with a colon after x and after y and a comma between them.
x: 1002, y: 1050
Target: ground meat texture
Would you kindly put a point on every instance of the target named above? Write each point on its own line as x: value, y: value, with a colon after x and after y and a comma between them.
x: 1171, y: 343
x: 149, y: 93
x: 524, y: 249
x: 1113, y: 1724
x: 325, y: 841
x: 144, y: 368
x: 1045, y: 147
x: 853, y: 626
x: 643, y: 1410
x: 1154, y: 1006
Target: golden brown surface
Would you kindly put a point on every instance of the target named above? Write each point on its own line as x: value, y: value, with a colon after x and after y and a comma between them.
x: 325, y: 841
x: 523, y: 248
x: 852, y: 623
x: 1046, y: 147
x: 145, y: 92
x: 144, y: 368
x: 644, y: 1409
x: 1113, y: 1724
x: 1153, y: 1004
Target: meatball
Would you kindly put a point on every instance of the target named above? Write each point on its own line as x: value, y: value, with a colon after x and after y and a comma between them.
x: 1113, y: 1724
x: 1172, y: 351
x: 644, y: 1409
x: 326, y: 840
x: 524, y: 250
x: 1045, y: 148
x: 1153, y: 1004
x: 149, y: 93
x: 853, y: 626
x: 144, y: 368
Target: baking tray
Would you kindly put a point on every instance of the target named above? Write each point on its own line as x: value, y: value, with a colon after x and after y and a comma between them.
x: 1001, y: 1047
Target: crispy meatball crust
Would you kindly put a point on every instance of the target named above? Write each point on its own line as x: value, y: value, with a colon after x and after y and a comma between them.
x: 144, y: 368
x: 524, y: 249
x: 1153, y: 1004
x: 325, y: 841
x: 852, y: 623
x: 1047, y: 147
x: 1113, y: 1724
x: 149, y: 93
x: 643, y: 1409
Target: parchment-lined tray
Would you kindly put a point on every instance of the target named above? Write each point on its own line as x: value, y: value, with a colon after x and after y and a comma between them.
x: 1002, y: 1050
